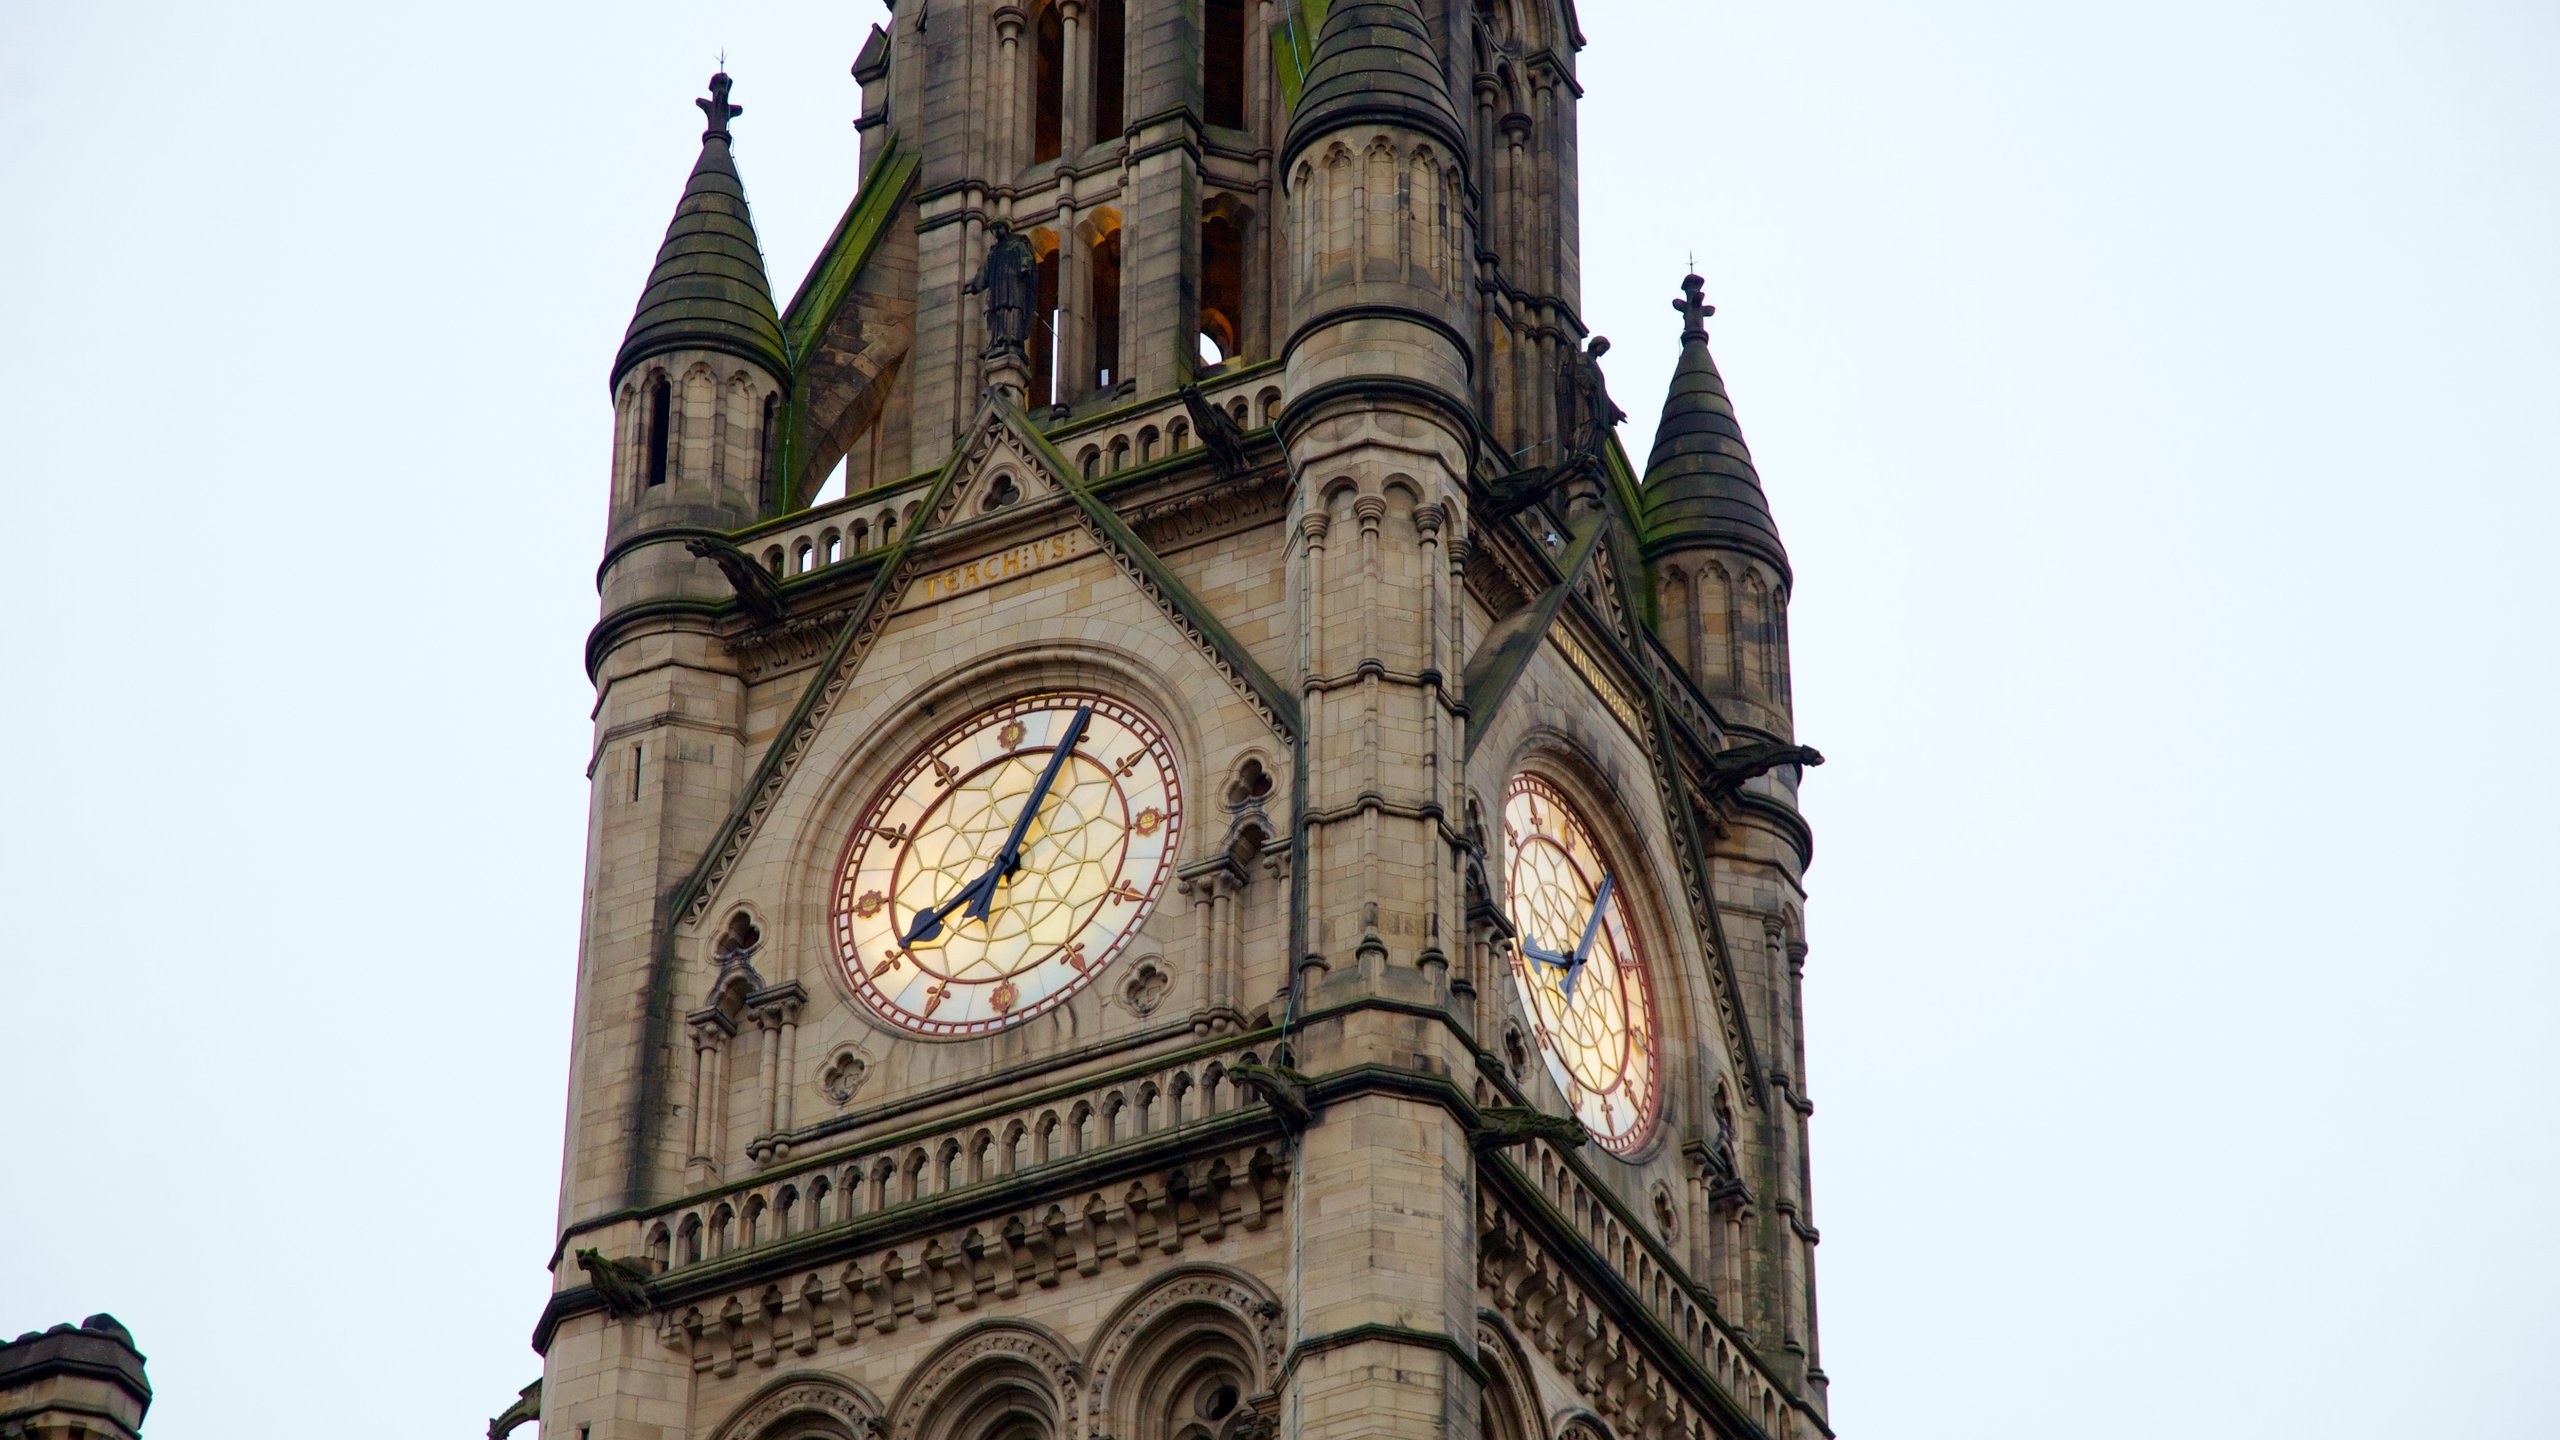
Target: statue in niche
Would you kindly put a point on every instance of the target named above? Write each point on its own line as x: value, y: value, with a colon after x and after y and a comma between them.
x: 1011, y: 282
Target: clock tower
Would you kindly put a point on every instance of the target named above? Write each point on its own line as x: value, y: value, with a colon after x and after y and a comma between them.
x: 1244, y: 879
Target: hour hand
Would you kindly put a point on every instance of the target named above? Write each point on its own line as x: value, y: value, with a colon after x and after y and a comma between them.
x: 928, y: 923
x: 1544, y: 956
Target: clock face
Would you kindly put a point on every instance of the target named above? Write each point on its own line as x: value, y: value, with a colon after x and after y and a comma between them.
x: 1006, y: 863
x: 1584, y: 983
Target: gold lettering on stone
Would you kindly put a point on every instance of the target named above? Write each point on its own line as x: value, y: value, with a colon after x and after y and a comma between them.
x: 1007, y: 564
x: 1602, y: 683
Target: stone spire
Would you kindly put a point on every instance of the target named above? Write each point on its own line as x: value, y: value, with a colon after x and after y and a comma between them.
x: 708, y: 289
x: 1700, y: 490
x: 1374, y: 64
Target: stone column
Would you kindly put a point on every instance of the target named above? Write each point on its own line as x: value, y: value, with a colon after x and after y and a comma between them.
x: 1073, y: 85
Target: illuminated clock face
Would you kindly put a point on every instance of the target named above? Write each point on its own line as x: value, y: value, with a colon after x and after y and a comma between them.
x: 1006, y: 863
x: 1579, y: 966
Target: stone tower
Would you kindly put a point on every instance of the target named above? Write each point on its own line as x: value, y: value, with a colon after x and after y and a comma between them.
x: 1239, y: 882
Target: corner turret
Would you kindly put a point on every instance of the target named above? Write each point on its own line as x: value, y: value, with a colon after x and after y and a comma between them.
x: 698, y: 382
x: 1720, y: 570
x: 1375, y: 169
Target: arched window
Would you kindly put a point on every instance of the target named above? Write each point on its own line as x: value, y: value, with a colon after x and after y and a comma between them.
x: 1222, y: 62
x: 1221, y: 289
x: 1102, y: 237
x: 1044, y: 328
x: 1110, y: 68
x: 661, y: 403
x: 1048, y: 81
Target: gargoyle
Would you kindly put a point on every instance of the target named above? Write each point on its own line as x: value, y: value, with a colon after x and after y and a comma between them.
x: 1502, y: 1126
x: 1519, y: 490
x: 1219, y: 432
x: 758, y: 591
x: 528, y: 1406
x: 1750, y: 762
x: 1285, y: 1090
x: 624, y: 1288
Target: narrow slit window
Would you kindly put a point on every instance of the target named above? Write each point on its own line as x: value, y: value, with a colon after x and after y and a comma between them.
x: 638, y: 752
x: 659, y: 406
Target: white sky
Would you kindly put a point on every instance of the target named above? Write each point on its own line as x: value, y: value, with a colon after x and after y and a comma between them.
x: 2157, y: 404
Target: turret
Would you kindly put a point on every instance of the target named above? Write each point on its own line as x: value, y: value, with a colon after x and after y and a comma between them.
x: 697, y: 385
x: 1720, y: 570
x: 697, y: 389
x: 1375, y: 173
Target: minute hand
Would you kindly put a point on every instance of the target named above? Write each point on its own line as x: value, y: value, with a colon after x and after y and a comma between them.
x: 1009, y: 859
x: 1590, y: 932
x: 980, y: 893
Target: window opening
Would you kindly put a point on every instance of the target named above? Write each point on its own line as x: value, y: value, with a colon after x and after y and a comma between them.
x: 1048, y: 78
x: 1221, y: 290
x: 1106, y: 310
x: 1044, y: 345
x: 1110, y: 69
x: 658, y: 407
x: 764, y: 453
x: 637, y: 753
x: 1222, y: 54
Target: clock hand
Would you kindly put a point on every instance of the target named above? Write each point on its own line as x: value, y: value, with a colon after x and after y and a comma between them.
x: 1590, y: 932
x: 928, y: 923
x: 979, y: 894
x: 1009, y: 859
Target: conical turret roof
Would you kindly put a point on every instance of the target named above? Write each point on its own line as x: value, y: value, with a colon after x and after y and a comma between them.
x: 1699, y: 485
x: 1374, y: 64
x: 708, y: 289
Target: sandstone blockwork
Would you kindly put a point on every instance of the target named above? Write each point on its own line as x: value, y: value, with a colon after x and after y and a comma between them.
x: 1182, y: 848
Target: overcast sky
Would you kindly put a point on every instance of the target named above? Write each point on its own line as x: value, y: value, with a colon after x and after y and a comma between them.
x: 2158, y: 403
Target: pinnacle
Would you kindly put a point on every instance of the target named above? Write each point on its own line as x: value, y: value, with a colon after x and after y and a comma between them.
x: 708, y: 289
x: 1700, y: 488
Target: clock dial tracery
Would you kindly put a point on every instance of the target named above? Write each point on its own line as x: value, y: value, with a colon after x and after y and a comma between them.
x: 1006, y: 863
x: 1580, y: 966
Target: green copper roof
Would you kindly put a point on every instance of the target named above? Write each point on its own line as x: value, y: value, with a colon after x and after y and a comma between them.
x: 1699, y: 485
x: 1374, y: 65
x: 708, y: 290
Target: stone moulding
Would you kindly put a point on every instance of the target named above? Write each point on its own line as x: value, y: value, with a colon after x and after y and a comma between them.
x: 1634, y: 1336
x: 978, y: 1256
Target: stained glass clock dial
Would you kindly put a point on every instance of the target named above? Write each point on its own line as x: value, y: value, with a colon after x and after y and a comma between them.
x: 1006, y: 863
x: 1580, y: 967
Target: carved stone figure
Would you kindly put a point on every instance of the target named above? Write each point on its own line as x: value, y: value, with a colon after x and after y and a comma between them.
x: 1219, y: 433
x: 1011, y: 282
x: 1584, y: 412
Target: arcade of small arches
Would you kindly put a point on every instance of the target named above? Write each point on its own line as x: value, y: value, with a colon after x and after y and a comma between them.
x: 1195, y: 1355
x: 694, y: 428
x: 1728, y: 629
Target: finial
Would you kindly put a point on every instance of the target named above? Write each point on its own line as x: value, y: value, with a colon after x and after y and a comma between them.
x: 716, y: 109
x: 1693, y: 308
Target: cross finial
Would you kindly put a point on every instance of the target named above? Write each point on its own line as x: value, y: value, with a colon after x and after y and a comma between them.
x: 1693, y: 307
x: 716, y: 108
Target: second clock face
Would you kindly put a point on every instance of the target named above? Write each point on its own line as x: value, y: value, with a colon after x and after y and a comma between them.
x: 1580, y: 967
x: 1006, y: 863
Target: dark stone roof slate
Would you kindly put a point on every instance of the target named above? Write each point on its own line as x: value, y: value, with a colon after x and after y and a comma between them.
x: 708, y: 290
x: 1700, y: 488
x: 1375, y: 65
